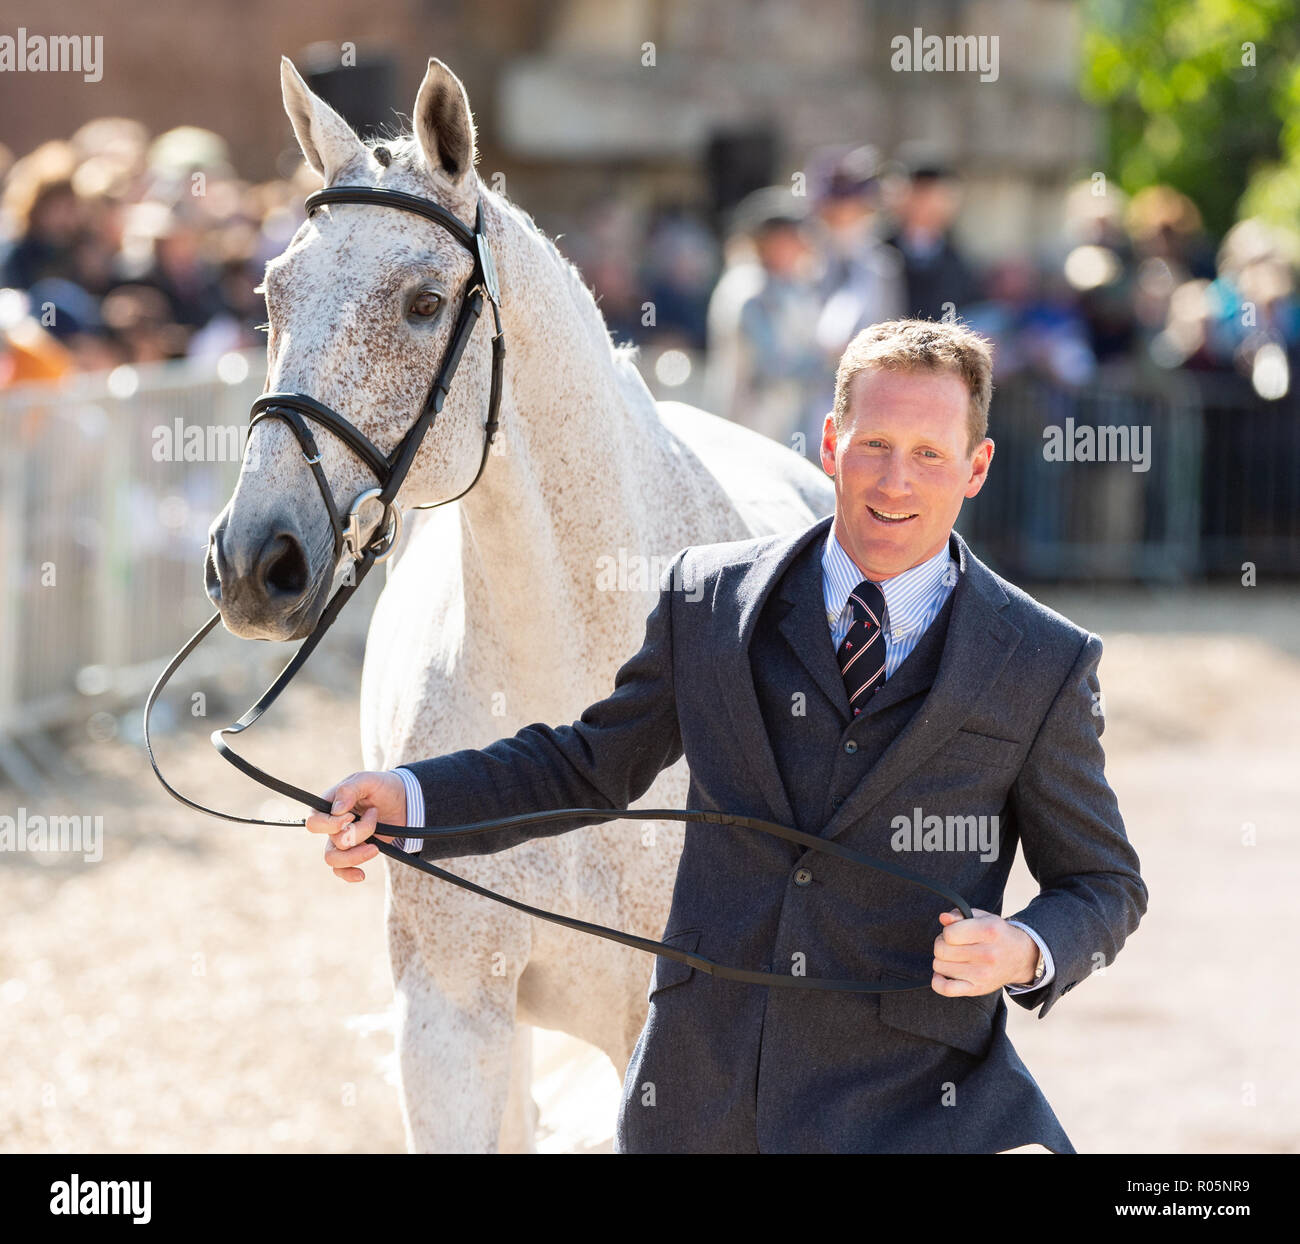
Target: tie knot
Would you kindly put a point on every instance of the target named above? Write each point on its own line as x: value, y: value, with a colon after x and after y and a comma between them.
x: 868, y: 603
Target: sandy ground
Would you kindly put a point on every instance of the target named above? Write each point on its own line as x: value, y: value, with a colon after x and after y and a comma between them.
x: 211, y: 987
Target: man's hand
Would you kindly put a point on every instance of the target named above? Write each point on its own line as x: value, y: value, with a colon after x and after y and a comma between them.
x: 980, y: 955
x: 376, y: 797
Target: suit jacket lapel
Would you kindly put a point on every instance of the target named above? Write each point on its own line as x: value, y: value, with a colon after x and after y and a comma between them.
x: 979, y: 643
x: 748, y: 585
x: 805, y: 628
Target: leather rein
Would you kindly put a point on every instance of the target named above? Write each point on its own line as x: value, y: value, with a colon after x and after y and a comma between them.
x: 390, y: 470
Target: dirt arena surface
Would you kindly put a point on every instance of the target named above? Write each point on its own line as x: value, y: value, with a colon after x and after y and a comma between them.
x: 209, y: 987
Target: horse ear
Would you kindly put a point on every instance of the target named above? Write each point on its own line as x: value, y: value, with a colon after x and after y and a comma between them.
x: 444, y: 127
x: 326, y: 139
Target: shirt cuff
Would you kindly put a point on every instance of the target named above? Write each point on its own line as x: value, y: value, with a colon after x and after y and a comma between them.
x: 1049, y: 971
x: 414, y: 811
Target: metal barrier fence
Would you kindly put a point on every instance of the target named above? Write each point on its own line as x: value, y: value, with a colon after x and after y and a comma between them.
x: 1250, y: 479
x: 1219, y: 484
x: 107, y: 487
x: 104, y: 511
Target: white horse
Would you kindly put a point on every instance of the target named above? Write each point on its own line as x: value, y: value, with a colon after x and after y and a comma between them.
x: 514, y: 605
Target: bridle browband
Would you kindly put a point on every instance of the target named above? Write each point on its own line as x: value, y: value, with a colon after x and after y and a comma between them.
x: 296, y: 409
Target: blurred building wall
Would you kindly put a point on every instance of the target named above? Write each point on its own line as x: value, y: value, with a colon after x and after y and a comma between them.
x: 568, y: 110
x: 818, y: 72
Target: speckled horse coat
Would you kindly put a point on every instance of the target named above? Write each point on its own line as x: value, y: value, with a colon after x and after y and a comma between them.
x: 516, y: 604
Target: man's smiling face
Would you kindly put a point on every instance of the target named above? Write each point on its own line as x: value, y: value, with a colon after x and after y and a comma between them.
x: 902, y: 467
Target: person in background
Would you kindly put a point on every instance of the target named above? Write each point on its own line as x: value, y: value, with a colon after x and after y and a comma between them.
x: 679, y: 274
x: 72, y: 317
x: 861, y: 279
x: 172, y: 243
x: 1099, y: 265
x: 765, y: 366
x: 1170, y: 247
x: 939, y: 283
x: 139, y: 317
x: 44, y: 216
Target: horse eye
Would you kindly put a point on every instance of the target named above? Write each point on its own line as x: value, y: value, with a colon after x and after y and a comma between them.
x: 425, y: 303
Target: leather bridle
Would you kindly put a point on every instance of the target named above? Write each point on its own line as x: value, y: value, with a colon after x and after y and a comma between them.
x: 296, y: 409
x: 391, y: 469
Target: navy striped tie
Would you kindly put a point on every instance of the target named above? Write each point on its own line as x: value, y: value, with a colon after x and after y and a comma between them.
x: 861, y: 656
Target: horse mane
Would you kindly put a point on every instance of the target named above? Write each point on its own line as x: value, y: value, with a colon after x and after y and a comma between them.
x: 406, y: 152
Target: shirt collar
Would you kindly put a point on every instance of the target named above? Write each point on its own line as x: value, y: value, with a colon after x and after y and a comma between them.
x: 907, y: 595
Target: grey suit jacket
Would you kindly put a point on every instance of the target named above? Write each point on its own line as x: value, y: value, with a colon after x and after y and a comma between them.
x: 1008, y: 727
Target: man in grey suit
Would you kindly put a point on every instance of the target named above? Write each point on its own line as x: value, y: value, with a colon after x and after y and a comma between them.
x: 867, y: 679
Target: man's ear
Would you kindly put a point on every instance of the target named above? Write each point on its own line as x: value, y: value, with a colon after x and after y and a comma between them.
x: 829, y: 441
x: 980, y: 463
x: 443, y: 124
x: 327, y: 141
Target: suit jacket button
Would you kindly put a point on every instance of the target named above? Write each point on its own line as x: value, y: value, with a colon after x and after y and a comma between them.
x: 802, y: 876
x: 850, y: 747
x: 837, y: 801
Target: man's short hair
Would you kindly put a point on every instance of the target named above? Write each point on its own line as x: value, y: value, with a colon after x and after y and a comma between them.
x: 922, y: 346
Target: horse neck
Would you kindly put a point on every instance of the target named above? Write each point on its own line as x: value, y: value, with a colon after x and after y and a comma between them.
x: 563, y: 484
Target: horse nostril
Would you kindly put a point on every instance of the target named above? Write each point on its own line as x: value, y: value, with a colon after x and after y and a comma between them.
x: 282, y: 567
x: 211, y: 576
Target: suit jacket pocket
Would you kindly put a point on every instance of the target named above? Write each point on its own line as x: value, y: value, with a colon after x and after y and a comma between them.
x: 966, y: 1023
x: 983, y: 748
x: 668, y: 971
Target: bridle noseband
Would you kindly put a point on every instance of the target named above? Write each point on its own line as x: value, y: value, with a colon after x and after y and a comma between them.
x: 391, y: 470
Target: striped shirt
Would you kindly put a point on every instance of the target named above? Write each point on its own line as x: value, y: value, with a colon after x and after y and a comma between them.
x: 913, y: 599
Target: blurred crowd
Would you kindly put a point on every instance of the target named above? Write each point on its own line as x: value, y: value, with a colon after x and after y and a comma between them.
x: 1131, y: 290
x: 116, y: 247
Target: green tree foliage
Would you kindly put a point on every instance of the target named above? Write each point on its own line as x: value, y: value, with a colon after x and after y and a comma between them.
x: 1204, y: 96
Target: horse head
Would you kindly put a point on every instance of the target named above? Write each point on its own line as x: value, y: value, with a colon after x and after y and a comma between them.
x: 361, y: 309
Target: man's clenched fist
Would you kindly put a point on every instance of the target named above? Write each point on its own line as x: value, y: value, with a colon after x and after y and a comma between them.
x: 980, y: 955
x: 359, y: 803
